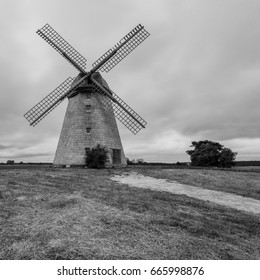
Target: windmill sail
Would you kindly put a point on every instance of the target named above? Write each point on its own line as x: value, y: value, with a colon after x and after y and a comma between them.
x: 124, y: 113
x: 62, y: 47
x: 126, y: 45
x: 48, y: 103
x: 92, y: 109
x: 105, y: 63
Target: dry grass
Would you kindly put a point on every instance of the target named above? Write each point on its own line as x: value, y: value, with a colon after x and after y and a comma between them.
x: 51, y: 213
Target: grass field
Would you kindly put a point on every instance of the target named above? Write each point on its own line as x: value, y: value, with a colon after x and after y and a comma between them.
x: 51, y: 213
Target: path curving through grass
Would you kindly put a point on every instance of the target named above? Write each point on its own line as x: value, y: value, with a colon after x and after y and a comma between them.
x: 238, y: 202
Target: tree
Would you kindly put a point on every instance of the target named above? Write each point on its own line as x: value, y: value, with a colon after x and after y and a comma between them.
x: 97, y: 157
x: 208, y: 153
x: 227, y: 158
x: 130, y: 162
x: 139, y: 161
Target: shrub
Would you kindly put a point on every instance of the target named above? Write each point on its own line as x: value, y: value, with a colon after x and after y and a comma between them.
x: 97, y: 157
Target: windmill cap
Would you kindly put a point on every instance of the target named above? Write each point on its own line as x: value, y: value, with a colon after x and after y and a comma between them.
x: 96, y: 76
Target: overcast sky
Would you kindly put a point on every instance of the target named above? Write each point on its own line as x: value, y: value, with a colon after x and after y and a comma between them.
x: 196, y: 77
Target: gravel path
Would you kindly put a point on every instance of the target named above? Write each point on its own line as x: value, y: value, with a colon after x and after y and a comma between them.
x: 222, y: 198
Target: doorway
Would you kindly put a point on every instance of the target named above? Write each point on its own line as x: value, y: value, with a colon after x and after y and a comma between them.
x: 116, y: 156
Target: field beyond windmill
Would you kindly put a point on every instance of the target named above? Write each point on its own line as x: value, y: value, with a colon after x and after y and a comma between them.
x: 54, y: 213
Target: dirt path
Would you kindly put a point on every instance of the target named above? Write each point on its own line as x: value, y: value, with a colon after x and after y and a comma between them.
x: 222, y: 198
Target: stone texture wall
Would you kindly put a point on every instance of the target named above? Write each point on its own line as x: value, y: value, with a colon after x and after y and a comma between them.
x: 74, y: 138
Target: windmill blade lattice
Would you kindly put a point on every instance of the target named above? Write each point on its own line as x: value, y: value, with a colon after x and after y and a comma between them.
x: 48, y: 103
x: 124, y: 113
x: 126, y: 45
x: 62, y: 47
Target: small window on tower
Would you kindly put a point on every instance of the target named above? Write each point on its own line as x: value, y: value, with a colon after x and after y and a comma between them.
x: 88, y: 129
x: 88, y: 108
x: 88, y: 95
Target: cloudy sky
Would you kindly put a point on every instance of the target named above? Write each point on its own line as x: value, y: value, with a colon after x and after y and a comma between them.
x: 196, y: 77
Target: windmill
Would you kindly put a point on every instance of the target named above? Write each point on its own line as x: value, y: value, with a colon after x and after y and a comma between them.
x: 92, y: 105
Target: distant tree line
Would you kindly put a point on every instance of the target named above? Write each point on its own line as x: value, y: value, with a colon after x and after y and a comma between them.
x: 247, y: 163
x: 139, y: 161
x: 205, y: 154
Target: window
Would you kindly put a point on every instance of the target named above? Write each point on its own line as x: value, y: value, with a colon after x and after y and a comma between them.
x: 88, y: 95
x: 88, y: 129
x: 88, y: 108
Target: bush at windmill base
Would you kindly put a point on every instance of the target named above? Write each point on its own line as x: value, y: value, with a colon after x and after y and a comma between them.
x: 97, y: 157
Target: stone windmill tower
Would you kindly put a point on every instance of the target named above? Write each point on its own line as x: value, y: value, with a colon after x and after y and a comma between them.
x: 92, y: 105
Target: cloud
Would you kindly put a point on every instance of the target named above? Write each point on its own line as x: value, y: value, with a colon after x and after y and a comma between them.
x: 39, y: 150
x: 3, y: 147
x: 247, y: 148
x: 208, y: 79
x: 196, y: 77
